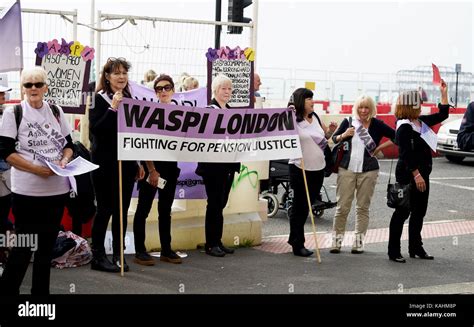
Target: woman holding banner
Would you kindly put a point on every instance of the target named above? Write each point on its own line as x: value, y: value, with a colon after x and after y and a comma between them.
x: 157, y: 170
x: 38, y: 195
x: 112, y: 88
x: 415, y: 140
x: 359, y: 169
x: 313, y: 136
x: 218, y: 178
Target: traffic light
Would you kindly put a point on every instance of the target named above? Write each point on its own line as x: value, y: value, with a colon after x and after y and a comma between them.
x: 236, y: 15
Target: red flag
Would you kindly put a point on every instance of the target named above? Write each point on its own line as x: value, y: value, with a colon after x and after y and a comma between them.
x: 436, y: 75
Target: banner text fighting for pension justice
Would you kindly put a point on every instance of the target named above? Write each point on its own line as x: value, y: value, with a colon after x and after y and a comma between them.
x: 136, y: 116
x: 227, y: 145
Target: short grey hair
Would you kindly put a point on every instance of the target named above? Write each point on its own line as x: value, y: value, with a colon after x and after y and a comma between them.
x: 36, y: 73
x: 218, y: 81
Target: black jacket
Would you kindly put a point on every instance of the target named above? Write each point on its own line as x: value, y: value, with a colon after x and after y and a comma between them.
x: 103, y: 134
x: 466, y: 132
x: 377, y: 130
x: 217, y: 168
x: 414, y: 153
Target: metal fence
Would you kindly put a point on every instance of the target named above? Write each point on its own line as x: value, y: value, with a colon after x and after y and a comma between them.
x: 41, y: 26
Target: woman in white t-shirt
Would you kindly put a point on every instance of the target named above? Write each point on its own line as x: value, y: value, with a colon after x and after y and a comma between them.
x: 38, y: 195
x: 313, y: 138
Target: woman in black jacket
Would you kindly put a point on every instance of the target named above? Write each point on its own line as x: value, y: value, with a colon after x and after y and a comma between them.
x: 414, y: 139
x: 169, y: 171
x: 218, y: 178
x: 112, y: 88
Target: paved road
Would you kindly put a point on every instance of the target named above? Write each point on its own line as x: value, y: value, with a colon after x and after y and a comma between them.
x: 451, y: 198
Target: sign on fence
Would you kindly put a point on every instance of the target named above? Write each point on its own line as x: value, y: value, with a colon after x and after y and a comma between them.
x: 68, y: 67
x: 237, y: 64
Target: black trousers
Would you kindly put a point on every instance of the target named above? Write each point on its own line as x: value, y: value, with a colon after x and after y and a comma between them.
x: 217, y: 188
x: 106, y: 186
x: 419, y: 205
x: 35, y: 218
x: 300, y: 210
x: 5, y: 205
x: 145, y: 200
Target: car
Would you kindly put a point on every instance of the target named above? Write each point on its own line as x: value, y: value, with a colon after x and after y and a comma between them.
x: 447, y: 142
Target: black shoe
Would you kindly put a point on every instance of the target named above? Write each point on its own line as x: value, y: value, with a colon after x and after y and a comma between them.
x: 356, y: 251
x: 144, y: 259
x: 335, y: 250
x: 226, y: 249
x: 100, y: 262
x: 398, y: 259
x: 303, y: 252
x: 116, y: 261
x: 215, y: 251
x: 170, y: 256
x: 422, y: 255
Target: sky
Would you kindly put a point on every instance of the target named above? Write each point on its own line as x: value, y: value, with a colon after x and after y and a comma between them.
x: 370, y: 36
x: 299, y: 37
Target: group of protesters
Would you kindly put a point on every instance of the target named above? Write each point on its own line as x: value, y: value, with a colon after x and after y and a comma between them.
x: 38, y: 194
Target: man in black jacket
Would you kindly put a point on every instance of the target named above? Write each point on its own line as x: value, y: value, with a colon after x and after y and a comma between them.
x: 466, y: 131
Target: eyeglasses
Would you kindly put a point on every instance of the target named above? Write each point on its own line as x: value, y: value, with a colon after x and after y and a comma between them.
x: 167, y: 88
x: 116, y: 59
x: 37, y: 85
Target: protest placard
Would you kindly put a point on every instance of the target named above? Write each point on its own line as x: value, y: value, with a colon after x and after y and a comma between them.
x: 237, y: 64
x: 67, y: 66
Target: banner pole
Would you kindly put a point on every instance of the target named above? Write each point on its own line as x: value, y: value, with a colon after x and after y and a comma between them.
x: 310, y: 211
x: 121, y: 217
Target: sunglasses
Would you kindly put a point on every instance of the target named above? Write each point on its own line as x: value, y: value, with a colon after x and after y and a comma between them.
x: 167, y: 88
x: 37, y: 85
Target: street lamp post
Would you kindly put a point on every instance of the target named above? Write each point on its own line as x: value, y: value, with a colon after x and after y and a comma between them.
x: 458, y: 70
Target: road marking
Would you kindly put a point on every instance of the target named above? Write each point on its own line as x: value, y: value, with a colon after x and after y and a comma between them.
x: 448, y: 178
x: 461, y: 187
x: 454, y: 186
x: 456, y: 288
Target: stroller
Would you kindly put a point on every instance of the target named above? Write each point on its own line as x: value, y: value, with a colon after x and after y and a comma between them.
x: 279, y: 176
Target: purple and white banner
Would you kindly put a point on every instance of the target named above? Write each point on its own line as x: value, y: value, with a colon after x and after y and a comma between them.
x: 193, y: 98
x: 11, y: 38
x: 154, y: 131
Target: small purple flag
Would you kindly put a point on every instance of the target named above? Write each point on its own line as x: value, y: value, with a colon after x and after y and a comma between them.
x: 11, y: 37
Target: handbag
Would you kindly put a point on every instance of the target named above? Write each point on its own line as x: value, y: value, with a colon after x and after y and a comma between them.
x: 338, y: 153
x: 398, y: 195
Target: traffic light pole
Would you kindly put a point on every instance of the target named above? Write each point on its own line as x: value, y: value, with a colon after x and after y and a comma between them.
x: 217, y: 37
x: 253, y: 35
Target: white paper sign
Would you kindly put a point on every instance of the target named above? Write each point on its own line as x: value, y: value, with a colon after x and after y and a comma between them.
x: 78, y: 166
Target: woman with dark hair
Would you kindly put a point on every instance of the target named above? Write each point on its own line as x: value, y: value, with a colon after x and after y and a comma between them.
x: 415, y: 140
x: 155, y: 170
x: 313, y: 138
x: 112, y: 88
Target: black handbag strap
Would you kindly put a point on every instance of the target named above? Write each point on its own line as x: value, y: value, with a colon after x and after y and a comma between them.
x: 391, y: 163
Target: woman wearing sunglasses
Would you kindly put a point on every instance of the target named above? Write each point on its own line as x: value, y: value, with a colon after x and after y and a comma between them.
x: 38, y: 195
x: 155, y: 170
x: 218, y: 178
x: 112, y: 88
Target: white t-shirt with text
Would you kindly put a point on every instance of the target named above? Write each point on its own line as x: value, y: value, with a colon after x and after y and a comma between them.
x: 40, y: 138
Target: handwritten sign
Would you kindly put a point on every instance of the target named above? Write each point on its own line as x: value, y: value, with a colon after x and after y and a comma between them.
x: 237, y: 64
x: 67, y: 66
